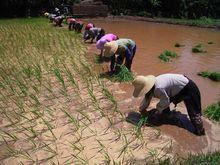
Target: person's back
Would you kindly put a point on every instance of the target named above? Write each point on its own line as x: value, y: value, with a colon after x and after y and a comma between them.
x: 171, y: 83
x: 124, y: 42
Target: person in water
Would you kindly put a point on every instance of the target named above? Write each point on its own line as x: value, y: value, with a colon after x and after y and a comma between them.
x: 106, y: 38
x: 170, y: 88
x: 121, y: 51
x: 93, y: 33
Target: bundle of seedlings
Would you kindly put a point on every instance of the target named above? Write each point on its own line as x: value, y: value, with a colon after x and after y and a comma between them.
x: 178, y: 45
x: 123, y: 74
x: 213, y: 112
x: 215, y: 76
x: 167, y: 55
x: 198, y: 49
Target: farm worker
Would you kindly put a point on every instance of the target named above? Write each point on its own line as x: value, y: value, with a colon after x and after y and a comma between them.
x: 170, y: 88
x: 58, y: 20
x: 93, y: 33
x: 106, y: 38
x: 71, y: 22
x: 89, y: 25
x: 121, y: 51
x: 78, y: 26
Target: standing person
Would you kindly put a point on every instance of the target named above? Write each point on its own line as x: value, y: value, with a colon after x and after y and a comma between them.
x: 106, y: 38
x: 93, y: 33
x: 170, y: 88
x: 121, y: 51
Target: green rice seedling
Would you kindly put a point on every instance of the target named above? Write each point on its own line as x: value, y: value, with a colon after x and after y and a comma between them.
x: 164, y: 57
x: 70, y: 77
x: 125, y: 147
x: 167, y: 55
x: 35, y: 99
x: 204, y: 158
x: 38, y: 72
x: 213, y: 112
x: 170, y: 54
x: 178, y: 45
x: 50, y: 127
x: 141, y: 122
x: 198, y: 49
x: 123, y: 75
x: 215, y: 76
x: 74, y: 121
x: 27, y: 71
x: 8, y: 135
x: 60, y: 78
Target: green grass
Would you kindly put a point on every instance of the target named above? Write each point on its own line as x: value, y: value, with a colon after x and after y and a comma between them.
x: 167, y: 55
x: 213, y: 112
x: 206, y: 22
x: 215, y: 76
x: 198, y: 49
x: 209, y: 158
x: 123, y: 75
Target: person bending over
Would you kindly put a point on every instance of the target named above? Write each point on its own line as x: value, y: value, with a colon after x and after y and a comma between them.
x: 106, y: 38
x: 170, y: 88
x: 93, y: 33
x: 121, y: 51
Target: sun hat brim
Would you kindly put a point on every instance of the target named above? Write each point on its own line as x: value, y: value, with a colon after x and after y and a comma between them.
x: 110, y: 48
x: 143, y: 84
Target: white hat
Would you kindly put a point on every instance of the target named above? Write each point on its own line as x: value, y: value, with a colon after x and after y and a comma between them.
x: 110, y: 48
x: 143, y: 84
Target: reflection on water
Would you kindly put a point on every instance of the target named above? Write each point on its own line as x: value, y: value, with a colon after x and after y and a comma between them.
x: 153, y: 38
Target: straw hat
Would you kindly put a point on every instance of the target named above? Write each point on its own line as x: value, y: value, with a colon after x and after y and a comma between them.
x: 46, y: 14
x: 110, y: 48
x: 143, y: 84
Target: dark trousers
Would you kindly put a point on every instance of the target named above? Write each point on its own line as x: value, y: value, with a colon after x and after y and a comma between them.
x: 119, y: 61
x: 190, y: 94
x: 100, y: 35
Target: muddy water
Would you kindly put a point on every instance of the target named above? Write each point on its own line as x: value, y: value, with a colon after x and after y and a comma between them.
x: 153, y: 38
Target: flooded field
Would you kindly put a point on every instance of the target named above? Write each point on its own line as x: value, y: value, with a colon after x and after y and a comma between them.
x: 153, y: 38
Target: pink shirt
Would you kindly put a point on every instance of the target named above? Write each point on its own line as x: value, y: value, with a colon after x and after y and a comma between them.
x: 106, y: 38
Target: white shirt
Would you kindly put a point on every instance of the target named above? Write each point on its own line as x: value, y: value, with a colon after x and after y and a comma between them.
x: 166, y: 86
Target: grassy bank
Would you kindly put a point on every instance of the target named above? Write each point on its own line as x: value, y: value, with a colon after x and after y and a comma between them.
x: 215, y: 76
x: 213, y: 112
x: 203, y: 22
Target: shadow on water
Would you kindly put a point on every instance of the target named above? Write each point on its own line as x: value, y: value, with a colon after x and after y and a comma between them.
x: 173, y: 118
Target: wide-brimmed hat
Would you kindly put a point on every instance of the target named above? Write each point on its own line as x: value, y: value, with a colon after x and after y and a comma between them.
x: 143, y: 84
x: 110, y: 48
x: 46, y: 14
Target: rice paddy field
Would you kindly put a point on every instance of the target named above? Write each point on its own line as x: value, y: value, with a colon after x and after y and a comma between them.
x: 55, y: 110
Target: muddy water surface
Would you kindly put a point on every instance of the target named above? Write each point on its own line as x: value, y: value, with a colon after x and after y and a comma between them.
x: 152, y: 39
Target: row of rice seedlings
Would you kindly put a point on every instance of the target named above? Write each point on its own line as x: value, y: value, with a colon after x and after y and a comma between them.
x: 215, y: 76
x: 167, y: 55
x: 60, y: 78
x: 198, y: 49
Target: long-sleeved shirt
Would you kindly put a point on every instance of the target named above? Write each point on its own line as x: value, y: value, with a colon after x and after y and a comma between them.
x: 166, y: 86
x: 106, y: 38
x: 126, y: 48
